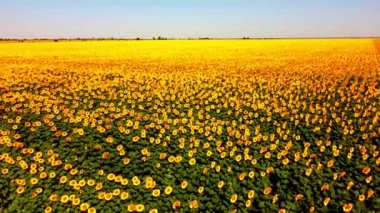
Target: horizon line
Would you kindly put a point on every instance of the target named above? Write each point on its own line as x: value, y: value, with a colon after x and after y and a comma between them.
x: 182, y: 38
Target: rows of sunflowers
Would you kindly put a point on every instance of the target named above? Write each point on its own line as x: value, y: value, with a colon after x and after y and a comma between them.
x: 190, y: 126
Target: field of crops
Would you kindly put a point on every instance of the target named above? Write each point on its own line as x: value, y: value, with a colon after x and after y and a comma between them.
x: 200, y: 125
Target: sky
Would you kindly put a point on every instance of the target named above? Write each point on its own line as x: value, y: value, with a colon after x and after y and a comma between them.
x: 188, y: 18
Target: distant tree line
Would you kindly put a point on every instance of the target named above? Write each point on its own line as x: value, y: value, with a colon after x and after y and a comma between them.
x: 160, y: 38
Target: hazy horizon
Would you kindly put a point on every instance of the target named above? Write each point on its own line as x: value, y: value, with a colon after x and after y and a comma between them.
x: 70, y: 19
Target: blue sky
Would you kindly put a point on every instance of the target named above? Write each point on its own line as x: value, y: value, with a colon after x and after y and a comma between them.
x: 188, y: 18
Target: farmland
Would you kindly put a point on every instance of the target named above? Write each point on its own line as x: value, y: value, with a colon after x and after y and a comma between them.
x: 201, y: 125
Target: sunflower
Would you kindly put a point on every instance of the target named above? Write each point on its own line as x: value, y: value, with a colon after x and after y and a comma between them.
x: 184, y: 184
x: 135, y: 138
x: 91, y: 210
x: 43, y: 175
x: 84, y: 206
x: 248, y: 203
x: 68, y: 166
x: 64, y: 199
x: 118, y: 179
x: 20, y: 190
x: 156, y: 193
x: 223, y: 155
x: 368, y: 179
x: 124, y: 181
x: 52, y: 175
x: 135, y: 181
x: 349, y: 185
x: 39, y: 190
x: 251, y: 174
x: 366, y: 170
x: 108, y: 196
x: 111, y: 176
x: 34, y: 181
x: 140, y: 207
x: 267, y: 190
x: 233, y: 198
x: 54, y: 197
x: 275, y: 198
x: 347, y: 207
x: 242, y: 176
x: 330, y: 163
x: 312, y: 209
x: 268, y: 155
x: 73, y: 171
x: 192, y: 161
x: 178, y: 159
x: 126, y: 161
x: 378, y: 161
x: 176, y: 204
x: 251, y: 194
x: 217, y: 168
x: 326, y: 201
x: 48, y: 209
x: 131, y: 207
x: 150, y: 185
x: 109, y: 139
x: 193, y: 204
x: 361, y: 197
x: 299, y: 197
x: 90, y: 182
x: 116, y: 192
x: 220, y: 184
x: 105, y: 155
x: 335, y: 176
x: 308, y: 171
x: 201, y: 189
x: 144, y: 151
x: 98, y: 147
x: 82, y: 183
x: 101, y: 195
x: 99, y: 186
x: 124, y: 195
x: 370, y: 193
x: 168, y: 190
x: 76, y: 201
x: 171, y: 159
x: 153, y: 211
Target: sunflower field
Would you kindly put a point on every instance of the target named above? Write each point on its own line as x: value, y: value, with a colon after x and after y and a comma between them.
x: 190, y: 126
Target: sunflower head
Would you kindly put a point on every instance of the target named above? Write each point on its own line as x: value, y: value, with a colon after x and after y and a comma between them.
x: 347, y: 207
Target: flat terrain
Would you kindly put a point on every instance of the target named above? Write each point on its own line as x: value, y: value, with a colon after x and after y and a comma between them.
x: 202, y: 125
